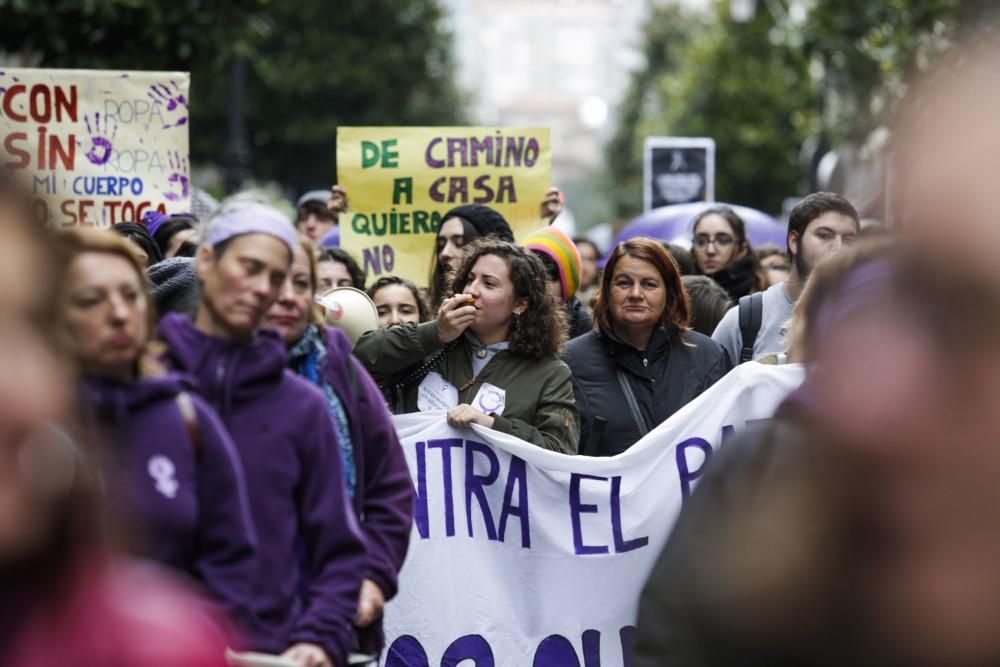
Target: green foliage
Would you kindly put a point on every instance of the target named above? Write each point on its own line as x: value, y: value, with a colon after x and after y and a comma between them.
x: 707, y: 76
x: 760, y: 89
x: 868, y: 50
x: 312, y: 66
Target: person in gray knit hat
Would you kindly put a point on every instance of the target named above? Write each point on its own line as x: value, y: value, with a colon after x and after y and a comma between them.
x: 175, y: 286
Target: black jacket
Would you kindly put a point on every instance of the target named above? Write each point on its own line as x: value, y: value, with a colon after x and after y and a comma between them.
x: 674, y: 368
x: 579, y: 319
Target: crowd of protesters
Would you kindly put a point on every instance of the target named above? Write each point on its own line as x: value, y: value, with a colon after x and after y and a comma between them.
x: 175, y: 392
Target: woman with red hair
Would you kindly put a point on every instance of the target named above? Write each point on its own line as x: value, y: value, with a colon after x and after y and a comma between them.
x: 641, y: 363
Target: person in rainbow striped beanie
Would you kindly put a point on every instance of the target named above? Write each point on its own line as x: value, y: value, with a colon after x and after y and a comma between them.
x: 562, y: 264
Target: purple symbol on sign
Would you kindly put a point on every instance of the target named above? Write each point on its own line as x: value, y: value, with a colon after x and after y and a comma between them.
x: 490, y: 400
x: 100, y: 138
x: 179, y: 177
x: 160, y: 93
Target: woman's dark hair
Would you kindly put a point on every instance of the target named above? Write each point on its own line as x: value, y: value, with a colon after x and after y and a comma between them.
x: 385, y: 281
x: 541, y: 330
x: 677, y: 311
x: 138, y: 235
x: 709, y: 303
x: 477, y: 221
x: 344, y: 257
x: 681, y: 255
x: 169, y: 228
x: 734, y: 220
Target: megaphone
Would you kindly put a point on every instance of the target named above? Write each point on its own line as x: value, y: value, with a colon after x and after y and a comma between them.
x: 350, y: 310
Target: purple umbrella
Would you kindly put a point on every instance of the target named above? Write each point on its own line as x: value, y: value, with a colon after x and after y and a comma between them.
x: 674, y: 224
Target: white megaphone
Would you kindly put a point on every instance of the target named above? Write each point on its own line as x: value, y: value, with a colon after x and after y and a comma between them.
x: 350, y: 310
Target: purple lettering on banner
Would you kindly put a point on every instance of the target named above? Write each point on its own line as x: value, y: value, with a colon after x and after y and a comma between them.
x: 577, y: 508
x: 459, y: 146
x: 406, y: 651
x: 474, y: 484
x: 591, y: 648
x: 469, y: 647
x: 517, y: 474
x: 728, y: 431
x: 431, y: 161
x: 420, y: 502
x: 687, y: 476
x: 621, y: 545
x: 555, y: 651
x: 627, y: 637
x: 446, y: 445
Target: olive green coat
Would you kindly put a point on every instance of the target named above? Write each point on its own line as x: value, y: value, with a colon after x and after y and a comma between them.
x: 539, y: 408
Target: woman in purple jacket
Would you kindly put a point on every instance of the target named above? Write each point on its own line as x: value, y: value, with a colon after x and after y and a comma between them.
x: 168, y: 441
x: 375, y: 470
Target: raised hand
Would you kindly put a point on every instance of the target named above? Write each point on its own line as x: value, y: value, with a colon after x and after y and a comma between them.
x: 455, y: 315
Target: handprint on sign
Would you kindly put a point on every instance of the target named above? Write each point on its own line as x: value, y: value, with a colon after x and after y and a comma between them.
x: 178, y: 178
x: 160, y: 93
x: 100, y: 138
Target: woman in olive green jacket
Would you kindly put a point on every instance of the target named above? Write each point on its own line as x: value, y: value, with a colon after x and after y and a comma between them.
x: 490, y: 357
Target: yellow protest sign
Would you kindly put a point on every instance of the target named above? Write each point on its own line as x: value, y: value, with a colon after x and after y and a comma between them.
x: 401, y: 180
x: 102, y: 147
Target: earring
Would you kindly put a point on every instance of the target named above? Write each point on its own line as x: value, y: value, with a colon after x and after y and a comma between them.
x: 517, y: 319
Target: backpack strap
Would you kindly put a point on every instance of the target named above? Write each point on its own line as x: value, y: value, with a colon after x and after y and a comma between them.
x: 751, y: 317
x: 190, y: 416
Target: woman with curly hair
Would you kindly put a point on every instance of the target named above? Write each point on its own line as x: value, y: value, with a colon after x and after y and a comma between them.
x: 642, y: 363
x: 490, y: 357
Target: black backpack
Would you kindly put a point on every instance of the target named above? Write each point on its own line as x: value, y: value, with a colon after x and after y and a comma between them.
x: 751, y: 317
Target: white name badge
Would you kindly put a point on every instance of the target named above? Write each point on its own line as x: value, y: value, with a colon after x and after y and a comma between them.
x: 490, y: 399
x: 436, y: 393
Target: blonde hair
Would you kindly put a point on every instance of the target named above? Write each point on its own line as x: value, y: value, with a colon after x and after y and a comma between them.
x: 75, y: 242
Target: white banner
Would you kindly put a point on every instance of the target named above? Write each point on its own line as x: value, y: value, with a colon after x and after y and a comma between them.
x: 521, y: 556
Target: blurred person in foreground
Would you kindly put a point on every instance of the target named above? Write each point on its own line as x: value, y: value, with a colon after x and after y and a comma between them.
x: 819, y: 227
x: 311, y: 555
x: 859, y: 526
x: 375, y: 471
x: 65, y: 599
x: 641, y: 363
x: 183, y: 480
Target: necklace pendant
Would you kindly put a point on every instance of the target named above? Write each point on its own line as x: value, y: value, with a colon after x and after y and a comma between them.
x: 481, y: 353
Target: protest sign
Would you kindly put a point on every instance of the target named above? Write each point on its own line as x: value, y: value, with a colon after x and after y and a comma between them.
x: 678, y: 170
x: 102, y: 147
x: 521, y: 556
x: 400, y: 180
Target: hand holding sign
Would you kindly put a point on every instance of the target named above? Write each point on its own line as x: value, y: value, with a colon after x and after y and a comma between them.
x: 455, y: 315
x: 337, y: 203
x: 552, y: 205
x: 464, y: 415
